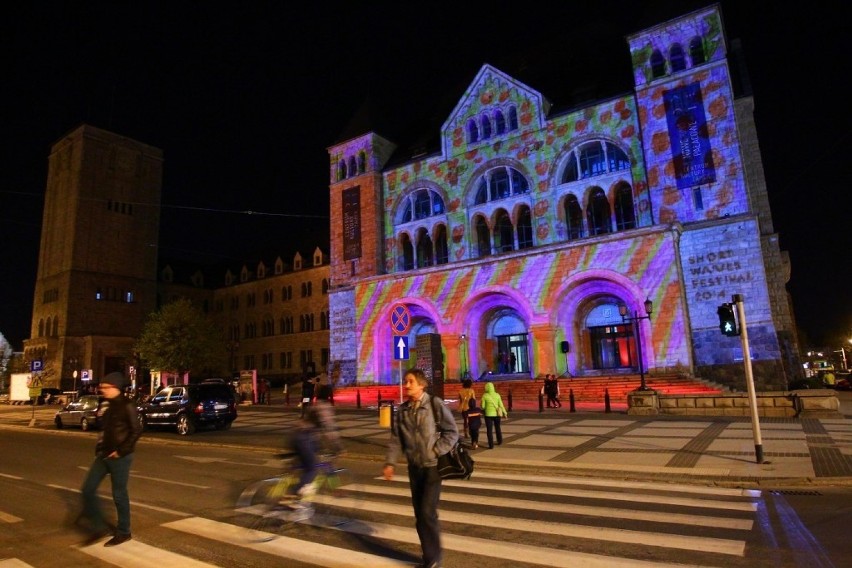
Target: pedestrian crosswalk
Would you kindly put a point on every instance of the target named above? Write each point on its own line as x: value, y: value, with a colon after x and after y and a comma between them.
x: 495, y: 519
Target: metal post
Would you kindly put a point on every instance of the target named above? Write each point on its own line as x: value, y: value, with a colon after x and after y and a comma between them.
x: 642, y: 385
x: 358, y: 399
x: 540, y: 402
x: 752, y: 397
x: 607, y: 407
x: 510, y: 399
x: 572, y: 407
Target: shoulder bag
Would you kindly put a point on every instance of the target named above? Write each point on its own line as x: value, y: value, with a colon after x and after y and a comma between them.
x: 457, y: 463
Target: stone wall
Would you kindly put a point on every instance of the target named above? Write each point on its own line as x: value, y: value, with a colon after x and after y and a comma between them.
x: 817, y: 403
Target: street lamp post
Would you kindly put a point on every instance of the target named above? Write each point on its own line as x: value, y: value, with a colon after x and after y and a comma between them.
x: 622, y: 309
x: 465, y: 374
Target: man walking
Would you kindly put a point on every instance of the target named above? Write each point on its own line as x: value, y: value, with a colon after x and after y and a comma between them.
x: 113, y: 456
x: 422, y: 440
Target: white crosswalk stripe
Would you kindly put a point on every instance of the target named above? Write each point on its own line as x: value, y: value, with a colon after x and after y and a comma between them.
x: 485, y: 521
x: 14, y: 563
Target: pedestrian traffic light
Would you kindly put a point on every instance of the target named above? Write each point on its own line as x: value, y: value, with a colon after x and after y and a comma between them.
x: 727, y: 321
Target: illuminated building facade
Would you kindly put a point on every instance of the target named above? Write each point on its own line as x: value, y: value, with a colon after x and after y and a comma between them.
x: 528, y: 228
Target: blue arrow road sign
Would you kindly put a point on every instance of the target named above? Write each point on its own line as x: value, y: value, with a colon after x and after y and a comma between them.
x: 400, y: 347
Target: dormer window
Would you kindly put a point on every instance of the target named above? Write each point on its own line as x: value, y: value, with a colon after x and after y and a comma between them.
x: 491, y: 123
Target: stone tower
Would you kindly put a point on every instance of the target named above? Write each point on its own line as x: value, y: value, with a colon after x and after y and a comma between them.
x: 97, y: 268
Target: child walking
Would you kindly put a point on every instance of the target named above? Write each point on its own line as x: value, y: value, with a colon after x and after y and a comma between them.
x: 474, y: 421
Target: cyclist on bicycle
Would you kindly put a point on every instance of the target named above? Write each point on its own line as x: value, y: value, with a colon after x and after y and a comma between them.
x: 316, y: 425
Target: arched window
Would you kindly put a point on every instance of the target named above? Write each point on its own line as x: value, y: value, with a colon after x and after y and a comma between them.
x: 500, y: 187
x: 513, y: 118
x: 625, y: 218
x: 481, y: 192
x: 519, y: 182
x: 696, y: 51
x: 592, y: 160
x: 341, y: 170
x: 472, y: 131
x: 483, y: 237
x: 676, y: 58
x: 616, y: 158
x: 353, y: 169
x: 442, y: 253
x: 486, y: 126
x: 421, y: 204
x: 406, y: 252
x: 658, y: 64
x: 598, y: 213
x: 41, y: 328
x: 573, y: 218
x: 525, y: 232
x: 47, y: 327
x: 504, y: 234
x: 499, y: 122
x: 425, y: 250
x: 570, y: 173
x: 56, y: 326
x: 362, y: 162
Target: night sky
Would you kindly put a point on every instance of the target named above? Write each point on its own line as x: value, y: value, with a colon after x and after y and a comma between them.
x: 245, y: 97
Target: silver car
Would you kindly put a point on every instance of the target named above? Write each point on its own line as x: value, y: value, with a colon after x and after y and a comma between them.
x: 85, y: 412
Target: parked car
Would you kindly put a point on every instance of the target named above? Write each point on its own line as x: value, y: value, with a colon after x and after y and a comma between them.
x: 49, y: 396
x: 86, y: 412
x: 187, y: 407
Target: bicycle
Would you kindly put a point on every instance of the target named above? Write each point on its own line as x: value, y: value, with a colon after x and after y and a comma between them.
x: 274, y: 505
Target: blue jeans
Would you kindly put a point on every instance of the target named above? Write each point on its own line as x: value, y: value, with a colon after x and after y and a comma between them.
x: 119, y: 472
x: 305, y: 444
x: 425, y: 494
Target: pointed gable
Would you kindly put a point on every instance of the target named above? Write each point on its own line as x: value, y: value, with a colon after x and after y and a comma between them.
x: 494, y: 106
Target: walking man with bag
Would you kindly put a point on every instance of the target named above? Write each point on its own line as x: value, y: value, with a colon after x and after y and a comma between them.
x: 417, y: 435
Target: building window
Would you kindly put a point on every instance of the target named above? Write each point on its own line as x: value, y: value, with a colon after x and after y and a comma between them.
x: 573, y: 218
x: 598, y: 213
x: 500, y: 183
x: 483, y: 236
x: 513, y: 118
x: 442, y: 253
x: 504, y: 238
x: 485, y: 122
x: 472, y: 131
x: 499, y: 122
x: 425, y: 250
x: 420, y: 204
x: 625, y: 216
x: 525, y: 232
x: 676, y: 58
x: 696, y: 51
x: 407, y: 250
x: 325, y: 285
x: 658, y: 64
x: 697, y: 198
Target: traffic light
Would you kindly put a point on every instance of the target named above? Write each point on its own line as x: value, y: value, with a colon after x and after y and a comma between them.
x: 727, y: 321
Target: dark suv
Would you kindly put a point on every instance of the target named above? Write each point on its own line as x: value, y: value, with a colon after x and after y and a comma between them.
x: 187, y: 407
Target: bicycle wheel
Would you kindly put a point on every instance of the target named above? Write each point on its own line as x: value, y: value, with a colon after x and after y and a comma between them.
x: 260, y: 500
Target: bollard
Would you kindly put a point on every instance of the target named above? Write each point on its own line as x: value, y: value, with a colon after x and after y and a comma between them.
x: 606, y: 401
x: 358, y: 399
x: 540, y: 402
x: 510, y: 400
x: 386, y: 414
x: 331, y: 397
x: 379, y: 396
x: 573, y: 408
x: 287, y: 395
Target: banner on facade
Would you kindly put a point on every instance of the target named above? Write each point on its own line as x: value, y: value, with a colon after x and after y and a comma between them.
x: 352, y: 223
x: 687, y: 123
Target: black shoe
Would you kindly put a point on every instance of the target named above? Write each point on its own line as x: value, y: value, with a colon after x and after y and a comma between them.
x: 118, y: 539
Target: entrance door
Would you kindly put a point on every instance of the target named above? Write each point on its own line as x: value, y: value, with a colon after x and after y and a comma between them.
x: 612, y: 347
x: 513, y: 345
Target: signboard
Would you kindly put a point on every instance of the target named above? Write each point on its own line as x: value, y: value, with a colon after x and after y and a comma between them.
x: 86, y: 375
x: 37, y: 365
x: 35, y: 383
x: 400, y: 319
x: 400, y: 347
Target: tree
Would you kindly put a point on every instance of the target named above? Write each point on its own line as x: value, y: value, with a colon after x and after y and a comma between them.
x: 180, y: 338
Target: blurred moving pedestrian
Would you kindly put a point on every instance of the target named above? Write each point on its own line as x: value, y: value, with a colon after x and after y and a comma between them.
x: 493, y: 409
x: 474, y: 422
x: 466, y: 394
x: 114, y: 456
x: 551, y: 389
x: 421, y: 440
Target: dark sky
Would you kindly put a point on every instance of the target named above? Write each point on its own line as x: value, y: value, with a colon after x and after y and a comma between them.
x: 245, y: 97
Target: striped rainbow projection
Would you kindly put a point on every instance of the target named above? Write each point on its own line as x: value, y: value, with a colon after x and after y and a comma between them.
x: 550, y: 287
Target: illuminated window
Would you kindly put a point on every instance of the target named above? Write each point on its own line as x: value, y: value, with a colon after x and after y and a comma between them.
x: 362, y: 162
x: 500, y: 183
x: 513, y: 118
x: 425, y: 249
x: 504, y: 237
x: 472, y: 131
x: 486, y: 126
x: 407, y: 252
x: 483, y: 236
x: 442, y: 253
x: 593, y: 159
x: 573, y: 218
x: 421, y: 204
x: 353, y: 169
x: 499, y: 122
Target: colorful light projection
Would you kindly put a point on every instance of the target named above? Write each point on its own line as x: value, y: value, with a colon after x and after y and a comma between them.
x: 549, y: 290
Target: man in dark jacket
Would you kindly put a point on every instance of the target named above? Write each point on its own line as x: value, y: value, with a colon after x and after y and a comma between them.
x: 113, y: 456
x: 422, y: 440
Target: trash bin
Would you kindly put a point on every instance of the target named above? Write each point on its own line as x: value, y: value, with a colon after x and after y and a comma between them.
x: 385, y: 413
